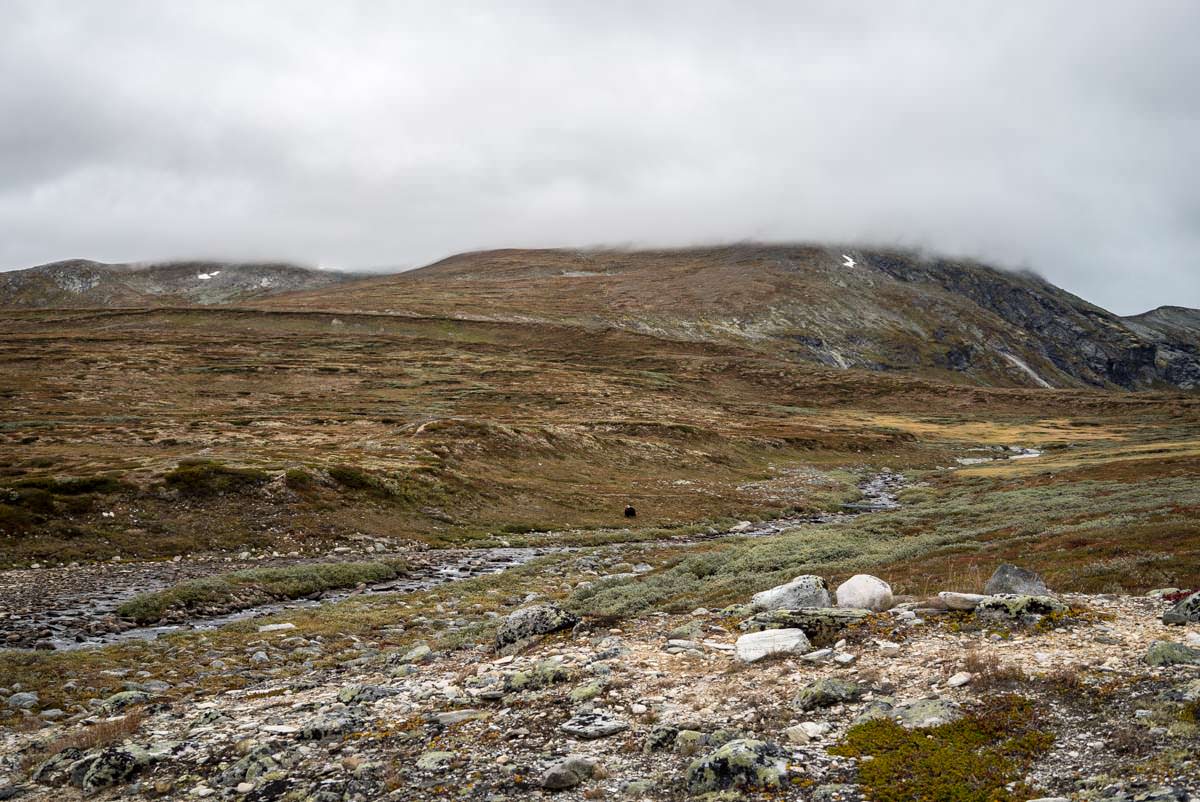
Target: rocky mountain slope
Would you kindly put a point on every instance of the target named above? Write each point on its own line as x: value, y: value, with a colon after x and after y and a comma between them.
x: 844, y: 307
x: 1175, y: 332
x: 80, y: 283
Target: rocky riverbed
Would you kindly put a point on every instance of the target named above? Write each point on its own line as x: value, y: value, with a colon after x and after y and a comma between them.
x: 74, y: 606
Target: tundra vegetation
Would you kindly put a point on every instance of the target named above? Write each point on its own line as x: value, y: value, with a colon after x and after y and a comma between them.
x: 129, y: 436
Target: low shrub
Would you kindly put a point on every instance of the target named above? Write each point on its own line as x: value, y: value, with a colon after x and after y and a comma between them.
x: 211, y: 478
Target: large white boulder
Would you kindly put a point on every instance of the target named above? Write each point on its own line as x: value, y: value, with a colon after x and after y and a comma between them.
x: 758, y: 645
x: 803, y: 591
x: 865, y: 592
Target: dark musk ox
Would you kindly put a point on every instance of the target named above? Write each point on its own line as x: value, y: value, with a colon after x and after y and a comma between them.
x: 630, y: 512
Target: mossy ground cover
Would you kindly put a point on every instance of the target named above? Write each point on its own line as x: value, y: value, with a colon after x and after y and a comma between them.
x: 979, y: 758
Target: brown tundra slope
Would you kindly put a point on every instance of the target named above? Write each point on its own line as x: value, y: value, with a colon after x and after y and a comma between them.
x: 891, y: 311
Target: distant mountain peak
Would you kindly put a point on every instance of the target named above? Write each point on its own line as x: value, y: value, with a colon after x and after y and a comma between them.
x: 86, y: 283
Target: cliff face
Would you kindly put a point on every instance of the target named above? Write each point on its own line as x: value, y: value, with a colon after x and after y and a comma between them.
x: 1175, y: 332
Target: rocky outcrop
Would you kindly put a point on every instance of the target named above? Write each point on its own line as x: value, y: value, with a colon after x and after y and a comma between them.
x: 539, y: 619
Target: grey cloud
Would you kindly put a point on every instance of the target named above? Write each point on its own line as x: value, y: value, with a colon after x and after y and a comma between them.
x: 1053, y: 135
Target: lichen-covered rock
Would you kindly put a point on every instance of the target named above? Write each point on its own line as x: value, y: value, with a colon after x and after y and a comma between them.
x: 1185, y: 611
x: 688, y: 742
x: 742, y: 764
x: 803, y: 591
x: 822, y: 625
x: 250, y: 767
x: 327, y: 726
x: 926, y: 713
x: 1165, y: 653
x: 435, y: 761
x: 1026, y: 609
x: 1009, y: 578
x: 539, y: 619
x: 661, y: 737
x: 421, y: 653
x: 755, y: 646
x: 54, y: 770
x: 544, y: 673
x: 107, y: 767
x: 865, y: 592
x: 588, y: 690
x: 120, y: 701
x: 827, y: 691
x: 568, y: 772
x: 362, y: 694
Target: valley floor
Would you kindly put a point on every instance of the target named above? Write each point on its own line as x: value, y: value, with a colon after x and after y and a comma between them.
x: 311, y: 481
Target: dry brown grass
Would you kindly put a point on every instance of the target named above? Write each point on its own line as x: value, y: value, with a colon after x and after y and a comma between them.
x: 92, y: 736
x: 990, y: 674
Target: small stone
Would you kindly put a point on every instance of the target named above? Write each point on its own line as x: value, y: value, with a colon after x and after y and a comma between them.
x: 807, y: 731
x: 888, y: 648
x: 568, y: 772
x: 959, y: 679
x: 595, y: 724
x: 961, y: 601
x: 244, y: 788
x: 276, y: 627
x: 844, y: 659
x: 23, y: 700
x: 452, y: 717
x: 435, y: 761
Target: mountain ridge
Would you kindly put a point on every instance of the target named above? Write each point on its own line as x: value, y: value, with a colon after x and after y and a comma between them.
x: 880, y: 310
x: 893, y: 310
x: 82, y: 283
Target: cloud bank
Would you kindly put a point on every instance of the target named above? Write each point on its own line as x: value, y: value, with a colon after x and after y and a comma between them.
x: 1058, y: 136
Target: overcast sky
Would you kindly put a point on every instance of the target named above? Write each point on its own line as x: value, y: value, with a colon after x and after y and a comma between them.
x: 1058, y: 136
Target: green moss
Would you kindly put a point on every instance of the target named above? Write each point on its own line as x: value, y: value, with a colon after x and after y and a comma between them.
x: 211, y: 478
x: 979, y: 758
